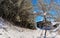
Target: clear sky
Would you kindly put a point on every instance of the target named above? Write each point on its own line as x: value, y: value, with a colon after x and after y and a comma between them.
x: 53, y: 12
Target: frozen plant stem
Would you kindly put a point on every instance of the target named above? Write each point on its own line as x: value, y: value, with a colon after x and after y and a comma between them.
x: 45, y: 34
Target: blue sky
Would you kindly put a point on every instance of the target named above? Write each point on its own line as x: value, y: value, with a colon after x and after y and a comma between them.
x: 34, y: 2
x: 53, y: 12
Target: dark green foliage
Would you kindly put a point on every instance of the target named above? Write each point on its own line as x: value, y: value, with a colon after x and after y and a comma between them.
x: 18, y: 12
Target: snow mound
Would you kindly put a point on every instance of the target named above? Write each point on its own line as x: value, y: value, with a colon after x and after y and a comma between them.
x: 7, y: 30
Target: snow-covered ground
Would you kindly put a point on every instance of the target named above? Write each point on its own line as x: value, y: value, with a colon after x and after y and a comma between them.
x: 7, y: 30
